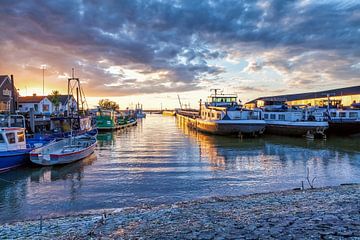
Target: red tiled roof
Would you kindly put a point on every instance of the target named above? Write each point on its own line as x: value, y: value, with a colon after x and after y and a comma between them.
x: 31, y: 99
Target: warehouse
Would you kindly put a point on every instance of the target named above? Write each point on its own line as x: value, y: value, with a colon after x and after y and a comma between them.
x: 341, y: 96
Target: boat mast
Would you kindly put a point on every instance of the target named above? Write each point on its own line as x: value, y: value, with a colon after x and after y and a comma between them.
x: 215, y: 91
x: 179, y: 101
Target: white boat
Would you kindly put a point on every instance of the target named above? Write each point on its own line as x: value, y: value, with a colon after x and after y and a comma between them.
x: 292, y: 121
x: 222, y: 115
x: 64, y: 151
x: 342, y: 121
x: 14, y: 148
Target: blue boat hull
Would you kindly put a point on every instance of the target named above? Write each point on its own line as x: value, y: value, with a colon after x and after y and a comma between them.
x: 12, y: 159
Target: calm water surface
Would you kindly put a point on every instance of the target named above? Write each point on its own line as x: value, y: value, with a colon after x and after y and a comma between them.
x: 161, y: 161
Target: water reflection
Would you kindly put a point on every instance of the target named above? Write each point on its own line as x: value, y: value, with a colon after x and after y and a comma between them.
x: 162, y: 161
x: 280, y: 162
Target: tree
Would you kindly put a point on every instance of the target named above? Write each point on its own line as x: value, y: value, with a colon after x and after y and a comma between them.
x: 55, y: 99
x: 107, y: 104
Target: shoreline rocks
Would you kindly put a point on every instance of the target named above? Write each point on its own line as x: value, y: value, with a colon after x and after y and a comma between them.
x: 323, y: 213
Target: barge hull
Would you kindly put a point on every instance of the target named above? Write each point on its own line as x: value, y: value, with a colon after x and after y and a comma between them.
x: 297, y: 131
x: 246, y: 128
x: 344, y: 128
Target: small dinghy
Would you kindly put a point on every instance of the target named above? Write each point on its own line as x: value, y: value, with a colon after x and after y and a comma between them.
x: 64, y: 151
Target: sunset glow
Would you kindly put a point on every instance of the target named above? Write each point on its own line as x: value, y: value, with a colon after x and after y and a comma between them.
x: 150, y: 51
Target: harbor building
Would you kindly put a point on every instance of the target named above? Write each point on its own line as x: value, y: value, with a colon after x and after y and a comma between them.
x: 8, y: 94
x: 63, y: 103
x: 341, y: 97
x: 40, y: 104
x: 44, y: 105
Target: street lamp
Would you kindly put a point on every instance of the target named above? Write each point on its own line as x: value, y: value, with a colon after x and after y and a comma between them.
x: 43, y: 67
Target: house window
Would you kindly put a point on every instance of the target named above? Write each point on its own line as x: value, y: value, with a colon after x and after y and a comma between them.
x: 45, y: 107
x: 353, y: 115
x: 10, y: 137
x: 20, y: 106
x: 36, y: 107
x: 281, y: 116
x: 272, y: 116
x: 342, y: 114
x: 21, y: 136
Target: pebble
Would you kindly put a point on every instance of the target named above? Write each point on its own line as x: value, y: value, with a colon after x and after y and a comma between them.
x: 317, y: 214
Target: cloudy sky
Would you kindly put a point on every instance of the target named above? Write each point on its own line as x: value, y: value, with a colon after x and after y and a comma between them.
x: 150, y: 51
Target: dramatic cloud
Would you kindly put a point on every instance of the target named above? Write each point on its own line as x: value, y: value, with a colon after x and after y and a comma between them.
x: 134, y: 47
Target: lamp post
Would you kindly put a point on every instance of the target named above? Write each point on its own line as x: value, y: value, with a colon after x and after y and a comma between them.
x: 43, y: 67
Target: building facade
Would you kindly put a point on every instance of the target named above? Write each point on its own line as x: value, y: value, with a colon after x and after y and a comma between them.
x: 342, y: 97
x: 8, y: 94
x: 63, y: 103
x: 40, y: 104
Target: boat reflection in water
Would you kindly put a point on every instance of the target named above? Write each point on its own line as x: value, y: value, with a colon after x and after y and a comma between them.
x: 279, y: 162
x: 15, y: 185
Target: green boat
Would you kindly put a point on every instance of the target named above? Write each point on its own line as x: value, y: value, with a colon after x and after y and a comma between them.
x: 106, y: 120
x: 125, y: 121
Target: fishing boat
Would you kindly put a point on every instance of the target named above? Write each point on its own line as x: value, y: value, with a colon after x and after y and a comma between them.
x: 342, y: 121
x: 139, y: 113
x: 292, y: 121
x: 125, y: 121
x: 64, y: 151
x: 14, y: 149
x: 63, y: 127
x: 106, y: 120
x: 222, y: 115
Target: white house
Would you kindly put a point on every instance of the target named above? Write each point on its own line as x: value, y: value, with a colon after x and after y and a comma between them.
x: 40, y: 104
x: 63, y: 103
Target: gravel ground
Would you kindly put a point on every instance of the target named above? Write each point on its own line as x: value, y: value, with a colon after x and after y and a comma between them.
x: 324, y: 213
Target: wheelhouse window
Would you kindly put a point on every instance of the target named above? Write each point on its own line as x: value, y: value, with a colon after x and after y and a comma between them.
x: 281, y: 116
x: 11, y: 137
x: 342, y: 114
x: 272, y: 116
x: 353, y: 115
x: 2, y: 140
x: 266, y: 116
x: 333, y: 114
x: 219, y: 115
x: 21, y: 136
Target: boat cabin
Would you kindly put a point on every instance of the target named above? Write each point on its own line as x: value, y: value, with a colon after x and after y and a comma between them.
x: 12, y: 132
x: 339, y: 114
x: 222, y: 100
x: 272, y: 104
x: 12, y: 139
x: 226, y: 107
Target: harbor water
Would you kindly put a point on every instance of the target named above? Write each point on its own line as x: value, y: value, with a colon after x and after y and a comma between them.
x: 162, y: 161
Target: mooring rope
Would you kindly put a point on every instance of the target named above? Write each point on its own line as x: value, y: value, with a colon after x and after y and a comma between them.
x: 7, y: 181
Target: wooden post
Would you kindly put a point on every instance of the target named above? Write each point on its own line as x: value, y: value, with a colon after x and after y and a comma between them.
x: 32, y: 120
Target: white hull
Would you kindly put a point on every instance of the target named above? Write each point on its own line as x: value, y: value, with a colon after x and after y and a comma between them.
x: 64, y: 151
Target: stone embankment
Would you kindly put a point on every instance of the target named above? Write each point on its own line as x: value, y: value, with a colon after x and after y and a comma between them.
x: 324, y: 213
